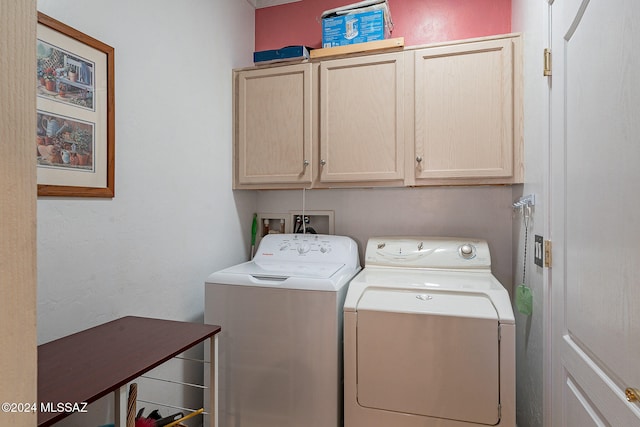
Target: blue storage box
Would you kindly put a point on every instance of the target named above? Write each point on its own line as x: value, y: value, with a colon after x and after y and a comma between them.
x: 289, y: 53
x: 344, y: 26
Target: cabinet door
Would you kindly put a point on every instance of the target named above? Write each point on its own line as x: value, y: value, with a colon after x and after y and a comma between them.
x: 361, y: 116
x: 274, y: 127
x: 464, y: 111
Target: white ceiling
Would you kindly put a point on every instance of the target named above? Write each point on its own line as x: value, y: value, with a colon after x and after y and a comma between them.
x: 267, y: 3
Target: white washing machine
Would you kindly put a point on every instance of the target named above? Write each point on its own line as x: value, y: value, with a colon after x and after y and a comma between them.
x: 280, y: 348
x: 429, y: 337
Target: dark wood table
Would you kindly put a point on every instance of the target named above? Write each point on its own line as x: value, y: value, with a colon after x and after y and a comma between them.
x: 88, y: 365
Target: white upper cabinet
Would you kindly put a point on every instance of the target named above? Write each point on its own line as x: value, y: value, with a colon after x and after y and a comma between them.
x: 273, y: 125
x: 448, y: 114
x: 464, y: 123
x: 361, y: 116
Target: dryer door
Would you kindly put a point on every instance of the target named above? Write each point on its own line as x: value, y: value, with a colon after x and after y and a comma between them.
x: 433, y: 354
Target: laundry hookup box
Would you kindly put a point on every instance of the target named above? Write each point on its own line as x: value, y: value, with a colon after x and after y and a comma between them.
x: 366, y: 21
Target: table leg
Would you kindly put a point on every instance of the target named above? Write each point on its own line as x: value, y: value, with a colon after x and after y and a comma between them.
x: 120, y: 400
x: 213, y: 382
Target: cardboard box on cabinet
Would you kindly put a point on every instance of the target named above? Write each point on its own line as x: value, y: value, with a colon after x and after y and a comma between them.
x: 356, y: 23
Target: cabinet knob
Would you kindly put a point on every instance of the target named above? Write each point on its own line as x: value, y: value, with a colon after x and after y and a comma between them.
x: 323, y: 162
x: 633, y: 395
x: 419, y: 159
x: 305, y: 163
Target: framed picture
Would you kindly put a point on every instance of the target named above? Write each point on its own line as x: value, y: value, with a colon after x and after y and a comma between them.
x: 75, y: 126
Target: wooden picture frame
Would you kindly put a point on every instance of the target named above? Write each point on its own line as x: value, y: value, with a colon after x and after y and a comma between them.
x: 75, y: 130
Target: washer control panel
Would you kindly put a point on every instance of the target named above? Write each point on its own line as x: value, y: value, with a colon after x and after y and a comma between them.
x: 307, y: 247
x: 304, y: 246
x: 428, y: 252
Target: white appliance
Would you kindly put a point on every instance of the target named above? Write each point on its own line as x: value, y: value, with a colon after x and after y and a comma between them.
x: 429, y: 337
x: 280, y: 348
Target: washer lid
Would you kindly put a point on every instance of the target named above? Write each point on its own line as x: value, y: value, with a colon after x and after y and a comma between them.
x: 442, y: 303
x: 283, y: 270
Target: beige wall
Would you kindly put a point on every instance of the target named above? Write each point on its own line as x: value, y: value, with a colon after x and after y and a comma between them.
x: 17, y: 210
x: 480, y: 212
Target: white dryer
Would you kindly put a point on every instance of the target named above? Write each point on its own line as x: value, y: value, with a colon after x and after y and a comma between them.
x: 280, y: 348
x: 429, y: 337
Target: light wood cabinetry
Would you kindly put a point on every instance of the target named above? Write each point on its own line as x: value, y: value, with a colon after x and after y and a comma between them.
x: 448, y: 114
x: 361, y: 116
x: 273, y: 125
x: 464, y: 123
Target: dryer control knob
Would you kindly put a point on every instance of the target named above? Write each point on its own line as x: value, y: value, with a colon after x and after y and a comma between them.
x: 466, y: 251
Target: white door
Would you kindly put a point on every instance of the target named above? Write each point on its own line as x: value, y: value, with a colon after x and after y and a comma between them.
x: 595, y: 211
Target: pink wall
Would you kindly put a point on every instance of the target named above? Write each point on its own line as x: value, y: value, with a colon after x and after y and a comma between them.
x: 418, y: 21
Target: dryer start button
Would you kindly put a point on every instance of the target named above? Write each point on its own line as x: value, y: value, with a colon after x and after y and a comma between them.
x: 467, y: 251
